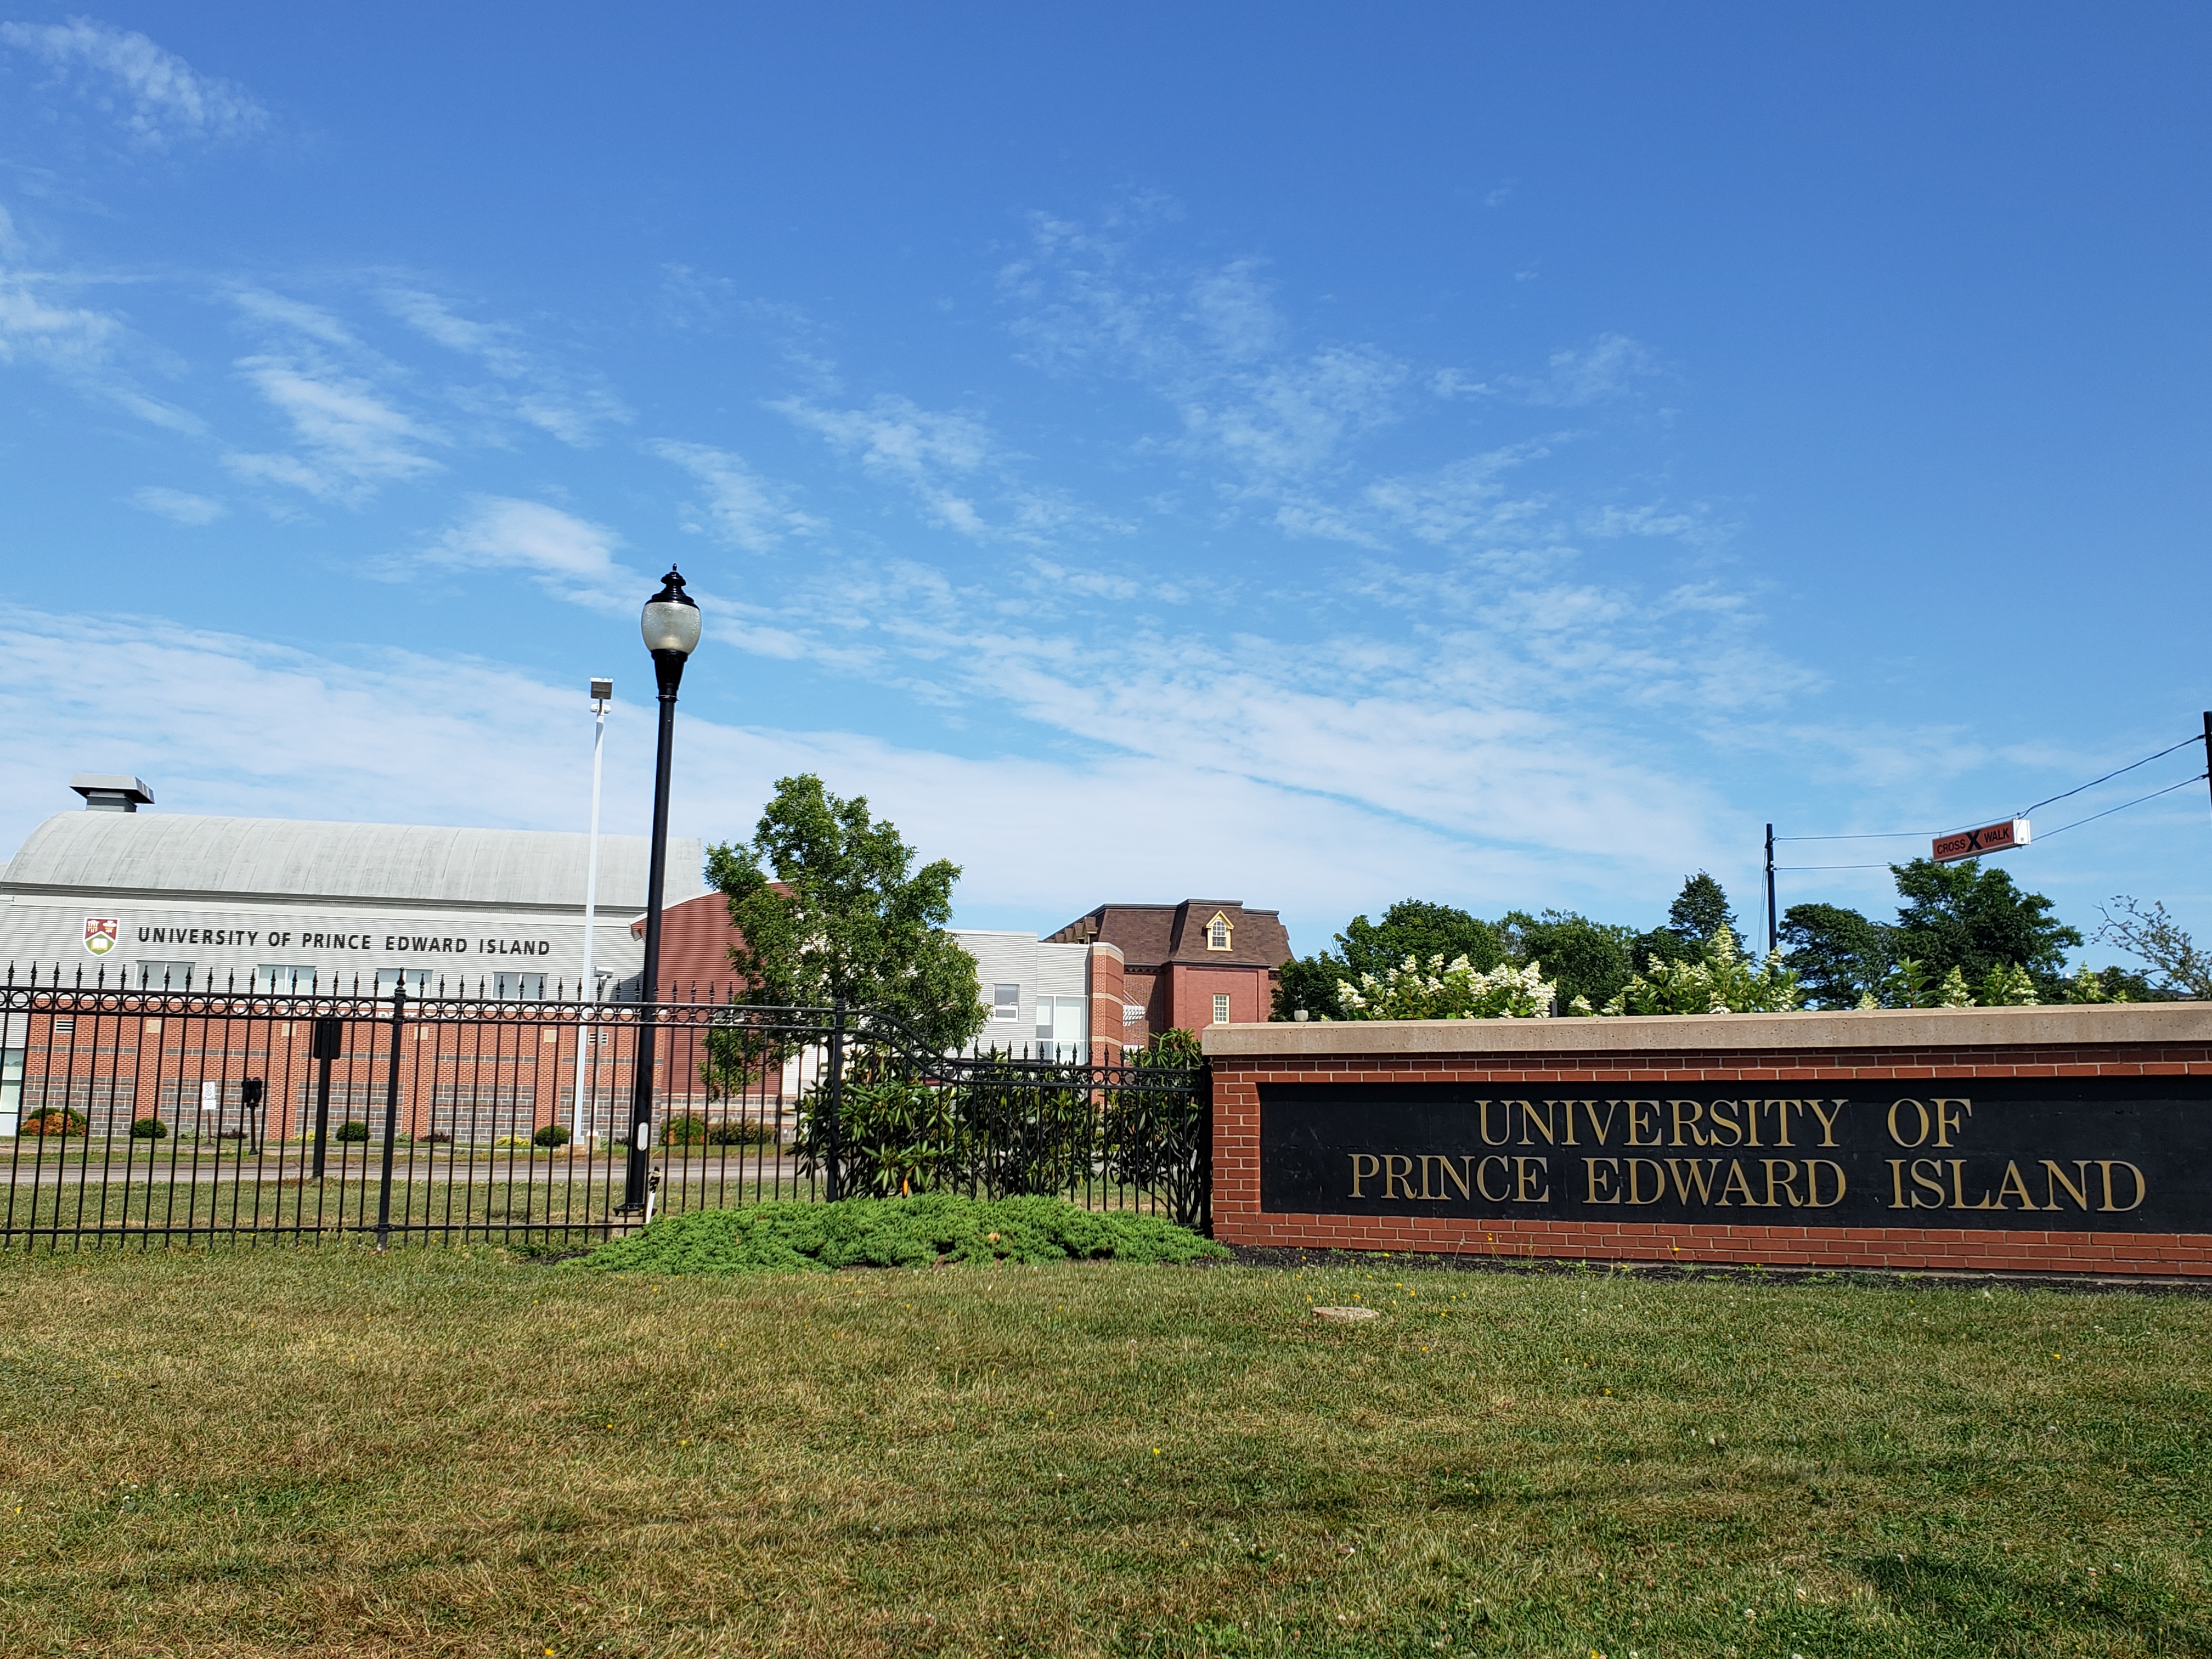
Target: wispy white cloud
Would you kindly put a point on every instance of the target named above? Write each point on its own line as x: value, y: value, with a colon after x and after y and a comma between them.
x: 178, y: 504
x: 42, y: 322
x: 157, y: 98
x: 353, y: 440
x: 571, y: 558
x: 950, y: 463
x: 742, y: 507
x: 532, y: 390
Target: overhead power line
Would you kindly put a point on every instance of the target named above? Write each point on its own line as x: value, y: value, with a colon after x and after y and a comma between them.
x: 1913, y: 835
x: 2123, y: 807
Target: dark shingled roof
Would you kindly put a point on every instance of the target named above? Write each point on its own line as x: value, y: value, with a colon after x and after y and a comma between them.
x: 1150, y: 935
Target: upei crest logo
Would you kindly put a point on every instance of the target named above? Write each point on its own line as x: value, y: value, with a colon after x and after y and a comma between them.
x: 100, y: 934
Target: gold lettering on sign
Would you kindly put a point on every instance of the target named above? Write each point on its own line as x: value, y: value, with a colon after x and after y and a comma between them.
x: 1686, y: 1114
x: 1736, y: 1182
x: 1522, y: 1178
x: 1636, y: 1186
x: 2143, y: 1187
x: 1459, y: 1177
x: 1640, y: 1115
x: 1920, y: 1117
x: 1735, y: 1130
x: 2054, y: 1177
x: 1396, y: 1166
x: 1812, y: 1167
x: 2014, y: 1182
x: 1482, y: 1177
x: 1947, y: 1121
x: 1701, y: 1172
x: 1827, y: 1120
x: 1786, y: 1183
x: 1528, y: 1122
x: 1610, y: 1169
x: 1600, y: 1130
x: 1958, y: 1192
x: 1751, y: 1121
x: 1489, y: 1139
x: 1374, y: 1168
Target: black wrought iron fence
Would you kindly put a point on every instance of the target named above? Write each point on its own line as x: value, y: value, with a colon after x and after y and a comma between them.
x: 183, y: 1115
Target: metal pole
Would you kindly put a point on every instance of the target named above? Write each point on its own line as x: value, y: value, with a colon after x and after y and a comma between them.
x: 590, y: 992
x: 391, y: 1113
x: 668, y: 669
x: 833, y: 1188
x: 328, y: 1038
x: 2207, y: 742
x: 1774, y: 939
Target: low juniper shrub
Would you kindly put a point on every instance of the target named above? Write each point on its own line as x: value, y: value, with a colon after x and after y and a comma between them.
x: 149, y: 1128
x: 551, y: 1135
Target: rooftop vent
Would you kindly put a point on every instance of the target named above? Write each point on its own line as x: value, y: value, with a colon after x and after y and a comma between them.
x: 107, y: 793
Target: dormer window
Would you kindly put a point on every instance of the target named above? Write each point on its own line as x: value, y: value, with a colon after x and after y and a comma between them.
x: 1217, y: 933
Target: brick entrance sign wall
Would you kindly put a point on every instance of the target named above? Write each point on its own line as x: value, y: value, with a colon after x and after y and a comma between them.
x: 2061, y: 1140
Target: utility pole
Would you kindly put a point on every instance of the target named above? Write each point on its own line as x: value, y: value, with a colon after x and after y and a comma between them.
x: 602, y: 692
x: 2207, y: 742
x: 1772, y: 939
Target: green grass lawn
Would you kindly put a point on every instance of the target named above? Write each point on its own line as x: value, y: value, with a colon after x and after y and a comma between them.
x: 444, y: 1451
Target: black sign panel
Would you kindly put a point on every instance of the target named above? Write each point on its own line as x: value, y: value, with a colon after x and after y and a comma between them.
x: 2090, y: 1154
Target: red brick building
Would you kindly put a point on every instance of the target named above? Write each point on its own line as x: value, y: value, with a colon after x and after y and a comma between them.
x: 1202, y: 963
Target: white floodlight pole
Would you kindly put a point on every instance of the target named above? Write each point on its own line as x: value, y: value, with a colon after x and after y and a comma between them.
x: 602, y: 692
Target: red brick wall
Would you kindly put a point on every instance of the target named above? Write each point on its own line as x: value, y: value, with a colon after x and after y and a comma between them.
x: 1192, y: 986
x: 1104, y: 977
x: 1238, y: 1219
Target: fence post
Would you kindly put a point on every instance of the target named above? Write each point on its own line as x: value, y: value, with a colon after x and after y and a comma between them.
x: 330, y: 1037
x: 833, y: 1122
x: 391, y: 1114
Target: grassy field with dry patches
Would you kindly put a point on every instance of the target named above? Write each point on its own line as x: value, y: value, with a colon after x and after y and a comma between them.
x: 449, y: 1452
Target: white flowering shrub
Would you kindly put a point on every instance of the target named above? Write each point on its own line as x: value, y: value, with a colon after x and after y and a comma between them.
x: 2008, y: 986
x: 1448, y: 990
x: 1723, y: 983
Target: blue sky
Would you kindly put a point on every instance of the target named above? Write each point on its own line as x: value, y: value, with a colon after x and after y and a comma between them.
x: 1308, y: 455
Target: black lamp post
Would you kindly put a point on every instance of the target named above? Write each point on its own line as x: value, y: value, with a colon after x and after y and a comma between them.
x: 670, y: 625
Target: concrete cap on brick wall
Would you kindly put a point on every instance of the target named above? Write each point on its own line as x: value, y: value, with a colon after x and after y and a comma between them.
x: 1886, y: 1028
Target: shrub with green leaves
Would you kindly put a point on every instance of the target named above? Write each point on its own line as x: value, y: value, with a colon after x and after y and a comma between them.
x: 352, y: 1130
x: 741, y: 1132
x: 149, y: 1128
x: 796, y: 1236
x: 550, y: 1135
x: 1718, y: 981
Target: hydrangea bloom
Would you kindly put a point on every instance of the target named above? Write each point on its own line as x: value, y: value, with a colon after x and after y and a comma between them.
x: 1453, y: 990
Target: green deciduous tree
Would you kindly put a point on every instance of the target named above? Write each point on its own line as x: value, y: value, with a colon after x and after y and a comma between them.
x: 854, y: 921
x: 1411, y: 928
x: 2183, y: 971
x: 1838, y: 955
x: 1975, y: 918
x: 1701, y: 910
x: 1583, y: 959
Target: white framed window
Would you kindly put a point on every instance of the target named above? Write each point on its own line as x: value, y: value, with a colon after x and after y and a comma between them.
x: 165, y: 976
x: 283, y: 979
x: 519, y: 987
x: 1005, y: 1003
x: 1217, y: 933
x: 417, y: 981
x: 1060, y: 1023
x: 1132, y: 1013
x: 1221, y: 1007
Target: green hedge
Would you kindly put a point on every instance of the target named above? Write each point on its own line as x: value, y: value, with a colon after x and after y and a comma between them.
x: 797, y: 1237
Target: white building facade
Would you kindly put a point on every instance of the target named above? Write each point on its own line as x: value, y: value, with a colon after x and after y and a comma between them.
x: 150, y: 899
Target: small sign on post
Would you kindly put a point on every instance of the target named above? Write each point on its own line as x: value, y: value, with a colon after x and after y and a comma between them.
x: 1989, y: 838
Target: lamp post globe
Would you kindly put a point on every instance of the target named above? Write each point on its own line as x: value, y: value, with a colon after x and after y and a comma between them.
x: 669, y: 625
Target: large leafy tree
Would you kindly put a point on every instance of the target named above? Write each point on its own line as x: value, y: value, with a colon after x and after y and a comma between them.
x: 1582, y: 957
x: 1411, y: 928
x: 1838, y: 955
x: 1977, y: 920
x: 832, y: 910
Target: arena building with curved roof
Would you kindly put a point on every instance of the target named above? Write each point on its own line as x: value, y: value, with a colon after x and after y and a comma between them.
x: 151, y: 899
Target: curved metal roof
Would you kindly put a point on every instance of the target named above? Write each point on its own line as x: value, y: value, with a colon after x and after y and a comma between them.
x: 409, y: 864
